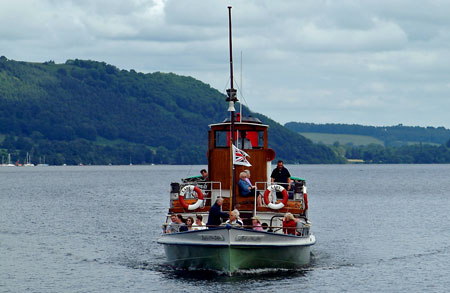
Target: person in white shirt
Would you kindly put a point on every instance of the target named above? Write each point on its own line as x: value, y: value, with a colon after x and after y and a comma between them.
x: 233, y: 220
x: 198, y: 225
x: 244, y: 142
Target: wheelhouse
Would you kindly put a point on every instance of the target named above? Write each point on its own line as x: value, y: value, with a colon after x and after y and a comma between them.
x: 221, y: 177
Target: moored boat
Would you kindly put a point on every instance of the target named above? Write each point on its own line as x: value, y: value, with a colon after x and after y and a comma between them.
x: 236, y: 145
x: 28, y: 161
x: 9, y: 164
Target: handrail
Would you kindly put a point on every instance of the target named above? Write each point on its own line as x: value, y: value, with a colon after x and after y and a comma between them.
x: 243, y: 226
x: 206, y: 186
x: 266, y: 184
x: 305, y: 230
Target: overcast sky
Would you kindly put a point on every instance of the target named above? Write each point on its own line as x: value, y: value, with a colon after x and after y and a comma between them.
x: 365, y: 62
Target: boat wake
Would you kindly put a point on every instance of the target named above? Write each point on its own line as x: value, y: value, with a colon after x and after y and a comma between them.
x: 266, y: 274
x: 197, y: 274
x: 434, y: 252
x: 318, y: 264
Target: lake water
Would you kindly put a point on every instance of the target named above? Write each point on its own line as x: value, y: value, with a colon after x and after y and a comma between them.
x: 379, y: 228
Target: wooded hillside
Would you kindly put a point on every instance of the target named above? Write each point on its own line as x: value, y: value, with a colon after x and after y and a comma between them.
x: 94, y: 113
x: 397, y: 135
x: 401, y: 144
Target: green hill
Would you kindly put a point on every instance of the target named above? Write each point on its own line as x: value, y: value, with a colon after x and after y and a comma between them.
x: 94, y: 113
x: 331, y: 138
x: 388, y: 145
x: 398, y: 135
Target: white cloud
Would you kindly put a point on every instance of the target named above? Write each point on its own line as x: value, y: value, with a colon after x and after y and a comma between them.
x: 367, y: 62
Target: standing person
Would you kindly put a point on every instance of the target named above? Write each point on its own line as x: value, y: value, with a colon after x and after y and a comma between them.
x: 244, y: 142
x: 206, y: 187
x: 281, y: 175
x: 215, y: 213
x: 204, y: 173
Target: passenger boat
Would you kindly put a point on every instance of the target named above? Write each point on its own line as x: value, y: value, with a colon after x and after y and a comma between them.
x: 228, y: 248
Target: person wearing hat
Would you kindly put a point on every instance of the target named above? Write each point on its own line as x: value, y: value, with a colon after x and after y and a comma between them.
x: 256, y: 224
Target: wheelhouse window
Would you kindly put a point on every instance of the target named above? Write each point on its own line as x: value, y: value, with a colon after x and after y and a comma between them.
x: 255, y: 139
x: 221, y: 139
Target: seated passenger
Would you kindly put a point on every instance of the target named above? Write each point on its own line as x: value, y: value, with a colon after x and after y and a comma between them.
x: 301, y: 227
x: 248, y: 177
x: 172, y: 227
x: 182, y: 225
x: 176, y: 225
x: 198, y: 225
x: 189, y: 223
x: 215, y: 214
x: 289, y: 224
x: 234, y: 221
x: 256, y: 224
x: 246, y: 190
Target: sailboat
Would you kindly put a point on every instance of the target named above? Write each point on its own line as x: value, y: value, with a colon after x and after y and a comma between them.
x: 228, y: 248
x: 9, y: 164
x: 42, y: 164
x: 28, y: 161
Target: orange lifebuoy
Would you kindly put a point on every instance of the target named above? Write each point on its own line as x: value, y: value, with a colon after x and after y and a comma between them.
x: 191, y: 188
x: 276, y: 188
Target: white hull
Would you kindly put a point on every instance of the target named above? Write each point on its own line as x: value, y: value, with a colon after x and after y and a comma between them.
x: 230, y: 249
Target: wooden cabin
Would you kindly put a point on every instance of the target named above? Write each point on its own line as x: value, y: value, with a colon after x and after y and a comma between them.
x: 220, y: 168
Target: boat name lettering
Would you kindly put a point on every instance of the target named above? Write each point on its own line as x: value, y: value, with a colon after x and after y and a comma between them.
x: 248, y: 238
x: 212, y: 237
x: 278, y: 188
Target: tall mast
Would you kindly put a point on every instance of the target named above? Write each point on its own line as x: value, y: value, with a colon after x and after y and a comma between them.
x: 231, y: 99
x: 242, y: 92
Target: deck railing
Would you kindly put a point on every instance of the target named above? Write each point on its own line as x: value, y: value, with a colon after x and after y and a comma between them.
x: 261, y: 187
x: 210, y: 189
x: 300, y: 232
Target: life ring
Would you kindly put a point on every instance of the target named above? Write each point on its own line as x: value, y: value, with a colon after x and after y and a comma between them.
x: 191, y: 188
x: 276, y: 188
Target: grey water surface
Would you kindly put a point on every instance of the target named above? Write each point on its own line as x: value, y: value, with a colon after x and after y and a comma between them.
x: 379, y: 228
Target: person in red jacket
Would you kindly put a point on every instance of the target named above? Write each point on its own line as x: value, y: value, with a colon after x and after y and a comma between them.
x: 289, y: 224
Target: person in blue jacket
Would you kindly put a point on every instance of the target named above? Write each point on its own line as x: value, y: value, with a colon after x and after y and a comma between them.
x: 215, y: 214
x: 246, y: 190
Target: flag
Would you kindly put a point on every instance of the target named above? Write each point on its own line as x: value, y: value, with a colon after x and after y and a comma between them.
x: 239, y: 157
